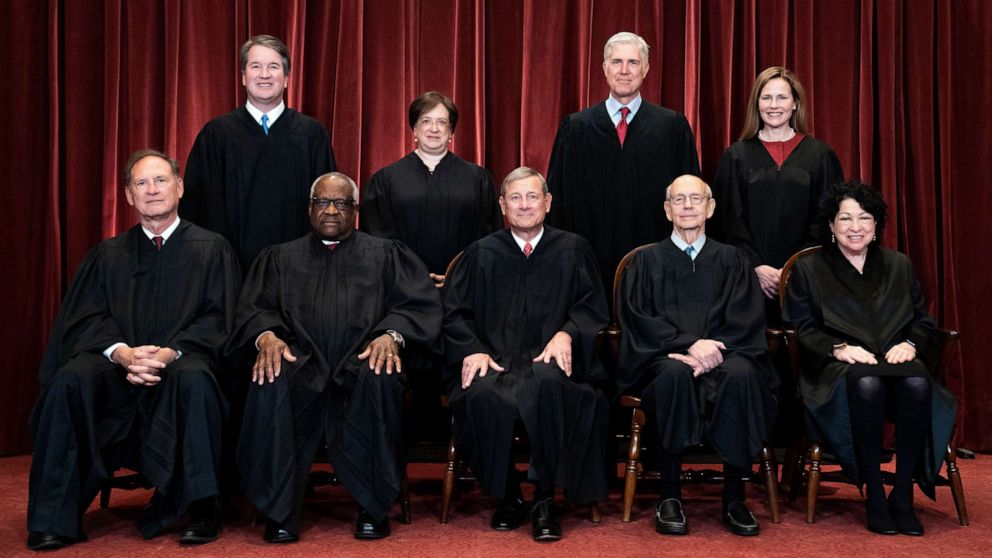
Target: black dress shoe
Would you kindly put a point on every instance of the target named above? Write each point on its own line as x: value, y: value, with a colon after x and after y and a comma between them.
x: 905, y: 519
x: 507, y: 515
x: 275, y: 533
x: 367, y: 528
x: 47, y: 541
x: 204, y: 523
x: 880, y: 520
x: 739, y: 520
x: 669, y: 519
x: 544, y: 522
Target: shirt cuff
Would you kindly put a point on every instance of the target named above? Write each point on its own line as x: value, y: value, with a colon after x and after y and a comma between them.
x: 110, y: 350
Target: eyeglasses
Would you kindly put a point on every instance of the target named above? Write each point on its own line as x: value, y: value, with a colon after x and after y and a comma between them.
x: 694, y: 199
x: 340, y: 204
x: 427, y: 122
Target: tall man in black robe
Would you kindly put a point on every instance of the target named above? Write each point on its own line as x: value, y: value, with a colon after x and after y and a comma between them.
x: 610, y: 161
x: 522, y: 310
x: 128, y: 376
x: 693, y: 348
x: 329, y: 315
x: 249, y: 172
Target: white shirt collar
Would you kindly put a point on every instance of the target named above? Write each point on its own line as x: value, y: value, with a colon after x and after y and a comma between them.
x: 613, y: 107
x: 533, y: 242
x: 698, y: 244
x: 165, y: 234
x: 274, y: 114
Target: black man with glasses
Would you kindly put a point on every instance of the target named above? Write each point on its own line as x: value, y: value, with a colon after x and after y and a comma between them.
x: 330, y: 316
x: 694, y: 350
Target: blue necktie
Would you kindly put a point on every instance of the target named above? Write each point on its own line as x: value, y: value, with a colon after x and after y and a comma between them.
x: 265, y: 123
x: 689, y: 251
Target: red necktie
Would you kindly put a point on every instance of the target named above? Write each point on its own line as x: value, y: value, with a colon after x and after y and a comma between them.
x: 158, y: 242
x: 622, y: 125
x: 332, y: 246
x: 528, y: 249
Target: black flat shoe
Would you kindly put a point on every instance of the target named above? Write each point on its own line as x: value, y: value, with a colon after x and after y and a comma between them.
x: 544, y: 522
x: 905, y: 520
x: 367, y: 528
x: 880, y: 521
x: 507, y: 515
x: 47, y: 541
x: 275, y: 533
x: 204, y: 523
x: 669, y: 518
x: 739, y: 520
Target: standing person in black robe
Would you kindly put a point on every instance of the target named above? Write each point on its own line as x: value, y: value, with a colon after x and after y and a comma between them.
x: 693, y: 348
x: 437, y: 204
x: 868, y: 347
x: 249, y: 172
x: 610, y: 160
x: 769, y: 184
x: 329, y: 314
x: 128, y: 376
x: 522, y: 311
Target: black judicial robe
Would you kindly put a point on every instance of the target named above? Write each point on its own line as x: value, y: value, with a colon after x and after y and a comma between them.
x: 767, y: 211
x: 500, y: 302
x: 327, y: 306
x: 90, y: 420
x: 828, y: 302
x: 613, y: 196
x: 437, y: 214
x: 253, y: 188
x: 667, y: 302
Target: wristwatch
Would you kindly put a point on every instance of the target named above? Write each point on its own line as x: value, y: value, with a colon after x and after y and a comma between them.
x: 397, y: 337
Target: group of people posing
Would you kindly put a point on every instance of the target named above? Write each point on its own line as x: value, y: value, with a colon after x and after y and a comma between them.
x: 250, y: 269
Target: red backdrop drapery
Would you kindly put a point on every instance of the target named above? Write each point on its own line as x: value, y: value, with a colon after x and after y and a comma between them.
x: 898, y: 88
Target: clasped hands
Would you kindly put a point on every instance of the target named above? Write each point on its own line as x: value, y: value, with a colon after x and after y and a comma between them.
x: 559, y: 349
x: 704, y: 355
x: 271, y: 350
x: 853, y: 354
x: 144, y: 363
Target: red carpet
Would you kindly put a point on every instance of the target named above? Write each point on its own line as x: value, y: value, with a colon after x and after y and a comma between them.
x: 328, y: 520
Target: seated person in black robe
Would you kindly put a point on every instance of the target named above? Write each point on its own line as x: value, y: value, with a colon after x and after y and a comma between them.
x: 610, y: 160
x: 522, y: 310
x: 693, y: 348
x: 329, y: 314
x: 868, y: 347
x: 128, y: 378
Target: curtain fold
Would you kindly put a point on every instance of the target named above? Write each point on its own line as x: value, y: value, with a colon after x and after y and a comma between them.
x: 897, y: 87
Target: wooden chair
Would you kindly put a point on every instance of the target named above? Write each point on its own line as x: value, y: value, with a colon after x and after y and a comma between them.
x: 456, y: 472
x: 634, y: 470
x: 811, y: 451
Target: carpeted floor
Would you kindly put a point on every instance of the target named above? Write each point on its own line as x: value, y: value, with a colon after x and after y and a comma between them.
x: 328, y: 520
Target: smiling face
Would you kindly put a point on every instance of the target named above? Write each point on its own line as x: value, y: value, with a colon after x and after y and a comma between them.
x: 689, y: 205
x: 264, y: 78
x: 853, y: 227
x: 333, y: 223
x: 776, y: 104
x: 433, y: 131
x: 625, y: 71
x: 525, y: 204
x: 154, y: 191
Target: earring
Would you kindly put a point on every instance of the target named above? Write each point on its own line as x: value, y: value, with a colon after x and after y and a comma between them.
x: 833, y: 239
x: 874, y: 238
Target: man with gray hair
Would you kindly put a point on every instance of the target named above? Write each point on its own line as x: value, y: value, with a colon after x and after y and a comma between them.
x: 328, y: 318
x: 610, y: 160
x: 522, y: 310
x: 249, y: 170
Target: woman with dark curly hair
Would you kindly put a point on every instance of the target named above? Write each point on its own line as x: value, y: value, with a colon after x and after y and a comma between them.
x: 769, y: 183
x: 868, y: 348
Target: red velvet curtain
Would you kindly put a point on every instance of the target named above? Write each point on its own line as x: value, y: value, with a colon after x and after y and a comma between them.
x: 898, y: 88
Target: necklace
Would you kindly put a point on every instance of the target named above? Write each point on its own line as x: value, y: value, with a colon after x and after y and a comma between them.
x: 763, y: 137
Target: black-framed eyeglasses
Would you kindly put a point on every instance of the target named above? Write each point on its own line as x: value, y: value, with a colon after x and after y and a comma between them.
x: 340, y: 204
x: 694, y: 199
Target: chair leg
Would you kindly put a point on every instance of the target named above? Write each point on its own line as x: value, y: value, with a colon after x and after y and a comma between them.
x: 957, y: 489
x: 633, y: 455
x: 405, y: 499
x: 815, y: 455
x: 795, y: 463
x: 594, y: 513
x: 768, y: 466
x: 105, y: 495
x: 449, y: 481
